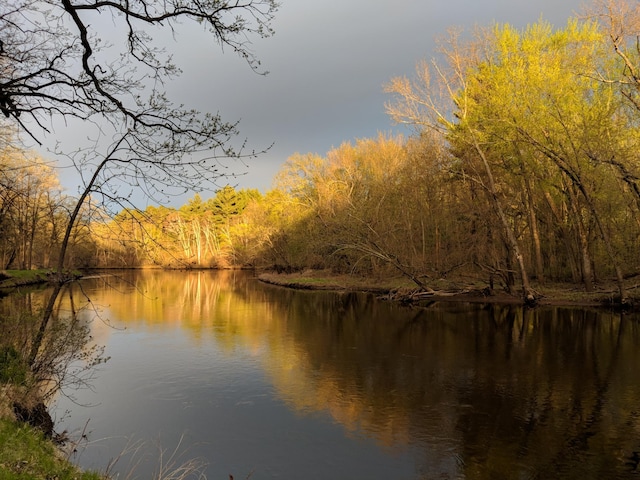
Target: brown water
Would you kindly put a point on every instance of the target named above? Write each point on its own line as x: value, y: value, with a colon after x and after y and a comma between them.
x: 262, y: 382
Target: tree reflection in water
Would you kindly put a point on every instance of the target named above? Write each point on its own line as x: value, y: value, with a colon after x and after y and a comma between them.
x: 37, y: 362
x: 514, y: 392
x: 475, y: 393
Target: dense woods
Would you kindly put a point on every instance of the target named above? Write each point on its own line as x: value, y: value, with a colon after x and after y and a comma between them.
x: 522, y: 167
x: 34, y: 213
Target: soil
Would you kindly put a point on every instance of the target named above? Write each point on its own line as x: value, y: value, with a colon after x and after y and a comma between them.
x: 453, y: 290
x: 37, y: 416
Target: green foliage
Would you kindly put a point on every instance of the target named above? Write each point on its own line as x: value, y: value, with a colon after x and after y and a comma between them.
x: 26, y: 454
x: 13, y: 369
x: 524, y: 161
x: 201, y: 233
x: 229, y: 203
x: 540, y: 133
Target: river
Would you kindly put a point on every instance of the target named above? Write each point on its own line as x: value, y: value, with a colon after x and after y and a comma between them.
x: 262, y: 382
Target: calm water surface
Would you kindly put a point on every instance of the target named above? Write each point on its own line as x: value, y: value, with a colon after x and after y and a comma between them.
x: 261, y: 382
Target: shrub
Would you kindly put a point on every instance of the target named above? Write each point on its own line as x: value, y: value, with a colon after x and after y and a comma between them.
x: 13, y: 369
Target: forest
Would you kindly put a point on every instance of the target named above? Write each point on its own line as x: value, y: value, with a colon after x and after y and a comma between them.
x: 521, y: 166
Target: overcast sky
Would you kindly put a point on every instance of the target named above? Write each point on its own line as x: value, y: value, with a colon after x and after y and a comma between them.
x: 328, y: 63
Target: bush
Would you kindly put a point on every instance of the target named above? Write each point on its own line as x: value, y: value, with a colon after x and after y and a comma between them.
x: 12, y: 368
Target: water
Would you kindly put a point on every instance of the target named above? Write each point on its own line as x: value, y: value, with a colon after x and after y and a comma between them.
x: 261, y: 382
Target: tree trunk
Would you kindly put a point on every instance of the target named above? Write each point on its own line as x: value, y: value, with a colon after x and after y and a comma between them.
x: 583, y: 242
x: 61, y: 278
x: 527, y: 293
x: 566, y: 240
x: 603, y: 233
x: 535, y: 234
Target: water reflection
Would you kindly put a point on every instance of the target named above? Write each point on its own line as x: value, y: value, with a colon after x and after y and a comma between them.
x: 47, y: 356
x: 452, y: 391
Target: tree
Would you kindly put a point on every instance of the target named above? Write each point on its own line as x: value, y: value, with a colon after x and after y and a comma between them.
x: 54, y: 66
x: 425, y: 103
x: 54, y: 62
x: 531, y: 121
x: 533, y: 101
x: 31, y: 206
x: 374, y: 206
x: 621, y: 22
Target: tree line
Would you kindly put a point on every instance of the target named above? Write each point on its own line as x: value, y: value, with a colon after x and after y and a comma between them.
x: 57, y: 76
x: 522, y: 167
x: 34, y: 212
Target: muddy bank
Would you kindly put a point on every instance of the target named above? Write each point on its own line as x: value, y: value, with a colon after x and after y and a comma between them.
x: 400, y: 290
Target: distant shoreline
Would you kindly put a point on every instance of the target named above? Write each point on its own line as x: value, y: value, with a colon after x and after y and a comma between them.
x: 398, y: 289
x: 447, y: 291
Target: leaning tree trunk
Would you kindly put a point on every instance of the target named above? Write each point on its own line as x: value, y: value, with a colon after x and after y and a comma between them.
x: 575, y: 178
x: 60, y: 277
x: 565, y: 167
x: 527, y: 292
x: 587, y: 270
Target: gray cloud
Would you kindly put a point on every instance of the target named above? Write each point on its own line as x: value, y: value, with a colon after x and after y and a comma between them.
x: 328, y: 62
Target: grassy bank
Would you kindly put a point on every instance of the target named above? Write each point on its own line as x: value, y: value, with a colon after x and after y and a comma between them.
x: 324, y: 280
x: 19, y: 278
x: 26, y: 454
x: 25, y: 451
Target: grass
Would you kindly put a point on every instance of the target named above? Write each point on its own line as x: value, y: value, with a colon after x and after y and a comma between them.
x: 20, y: 278
x: 12, y: 368
x: 550, y: 293
x: 26, y: 274
x: 26, y: 454
x: 17, y: 278
x: 324, y: 280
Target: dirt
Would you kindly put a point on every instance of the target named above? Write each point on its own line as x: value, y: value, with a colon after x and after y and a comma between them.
x: 452, y: 290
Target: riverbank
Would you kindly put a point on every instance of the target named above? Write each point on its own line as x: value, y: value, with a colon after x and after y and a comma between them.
x: 21, y: 278
x: 403, y: 290
x: 27, y: 453
x: 11, y: 279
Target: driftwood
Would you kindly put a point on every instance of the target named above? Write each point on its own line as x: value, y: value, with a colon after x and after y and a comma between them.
x: 429, y: 293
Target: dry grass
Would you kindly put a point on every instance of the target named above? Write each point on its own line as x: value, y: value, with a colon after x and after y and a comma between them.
x: 467, y: 288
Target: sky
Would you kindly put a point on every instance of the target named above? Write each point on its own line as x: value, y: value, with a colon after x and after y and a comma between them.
x: 328, y: 63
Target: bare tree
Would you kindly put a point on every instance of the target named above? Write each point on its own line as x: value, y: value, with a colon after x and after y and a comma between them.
x: 53, y: 61
x: 56, y: 66
x: 621, y: 23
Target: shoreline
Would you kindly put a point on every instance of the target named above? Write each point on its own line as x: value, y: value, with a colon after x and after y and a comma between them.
x: 402, y: 291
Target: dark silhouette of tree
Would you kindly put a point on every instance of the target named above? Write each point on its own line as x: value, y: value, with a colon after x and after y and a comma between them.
x: 53, y: 61
x: 56, y: 65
